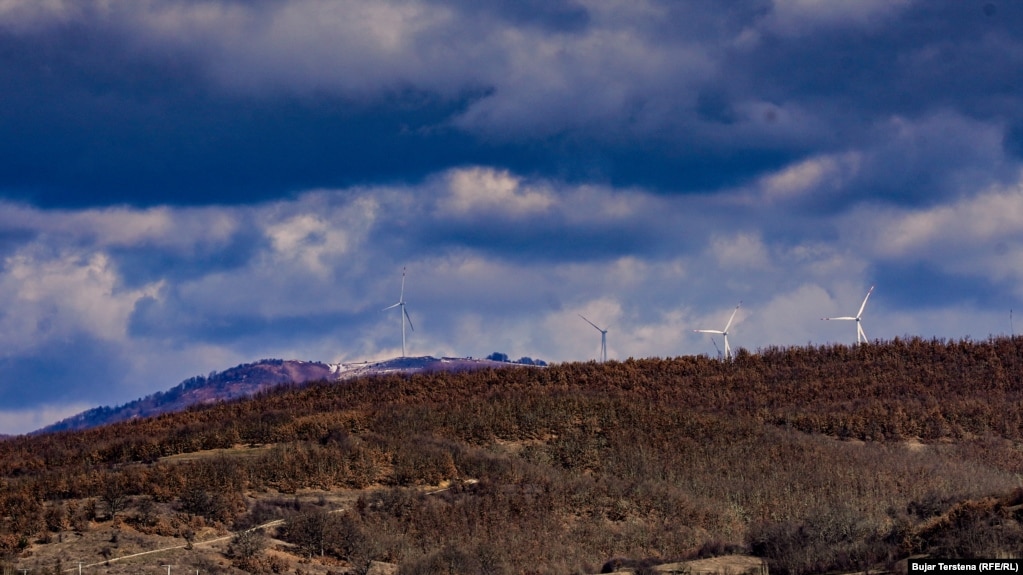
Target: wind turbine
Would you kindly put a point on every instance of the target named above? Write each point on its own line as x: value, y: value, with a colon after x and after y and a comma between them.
x: 716, y: 348
x: 603, y: 339
x: 404, y: 312
x: 723, y: 332
x: 861, y: 337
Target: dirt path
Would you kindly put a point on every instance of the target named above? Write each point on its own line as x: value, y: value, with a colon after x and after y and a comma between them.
x: 273, y: 523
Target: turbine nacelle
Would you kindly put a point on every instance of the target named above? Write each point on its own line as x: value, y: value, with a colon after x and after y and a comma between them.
x: 723, y: 332
x: 861, y: 336
x: 603, y: 339
x: 403, y: 316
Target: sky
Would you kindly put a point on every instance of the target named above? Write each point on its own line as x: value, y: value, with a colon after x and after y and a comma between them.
x: 186, y: 185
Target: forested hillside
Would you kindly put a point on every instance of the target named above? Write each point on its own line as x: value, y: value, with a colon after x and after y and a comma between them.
x: 816, y: 459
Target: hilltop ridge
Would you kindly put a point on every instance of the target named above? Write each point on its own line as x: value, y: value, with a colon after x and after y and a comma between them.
x: 248, y: 379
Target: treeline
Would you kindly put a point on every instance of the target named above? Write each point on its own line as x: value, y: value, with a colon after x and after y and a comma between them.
x: 565, y: 467
x: 929, y: 389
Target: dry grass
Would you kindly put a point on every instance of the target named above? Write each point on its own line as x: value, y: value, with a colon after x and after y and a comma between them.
x: 724, y: 565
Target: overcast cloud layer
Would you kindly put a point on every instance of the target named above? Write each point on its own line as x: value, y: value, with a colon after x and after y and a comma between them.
x: 186, y: 185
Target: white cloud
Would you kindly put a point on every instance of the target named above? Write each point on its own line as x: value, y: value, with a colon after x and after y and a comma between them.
x: 971, y: 223
x: 179, y: 228
x: 315, y: 240
x: 794, y: 17
x: 487, y: 190
x: 667, y: 335
x: 613, y: 79
x: 741, y: 251
x: 57, y: 295
x: 28, y: 15
x: 355, y: 47
x: 979, y: 235
x: 817, y: 175
x: 792, y: 317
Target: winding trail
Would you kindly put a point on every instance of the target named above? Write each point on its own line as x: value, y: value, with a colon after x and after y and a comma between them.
x: 273, y: 523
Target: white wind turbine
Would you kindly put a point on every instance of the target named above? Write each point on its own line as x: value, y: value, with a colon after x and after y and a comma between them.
x: 723, y: 332
x: 861, y: 337
x: 603, y: 339
x: 404, y: 312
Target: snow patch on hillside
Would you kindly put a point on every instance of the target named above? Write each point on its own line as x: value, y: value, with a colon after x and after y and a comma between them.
x: 409, y: 365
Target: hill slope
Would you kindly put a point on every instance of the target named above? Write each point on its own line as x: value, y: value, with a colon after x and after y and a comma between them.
x: 828, y: 459
x: 240, y: 381
x: 248, y: 379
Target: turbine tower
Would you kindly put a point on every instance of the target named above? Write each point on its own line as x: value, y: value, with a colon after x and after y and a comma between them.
x: 404, y: 312
x: 723, y: 332
x: 603, y: 339
x: 861, y: 337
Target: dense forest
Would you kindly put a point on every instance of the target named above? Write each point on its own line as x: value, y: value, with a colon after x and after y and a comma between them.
x: 816, y: 459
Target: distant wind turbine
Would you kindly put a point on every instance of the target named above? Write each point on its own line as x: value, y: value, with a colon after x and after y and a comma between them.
x: 716, y: 348
x: 404, y: 312
x: 603, y: 339
x: 861, y: 337
x: 723, y: 332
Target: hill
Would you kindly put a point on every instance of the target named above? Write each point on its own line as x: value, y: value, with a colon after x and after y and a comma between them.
x: 248, y: 379
x: 812, y: 460
x: 240, y: 381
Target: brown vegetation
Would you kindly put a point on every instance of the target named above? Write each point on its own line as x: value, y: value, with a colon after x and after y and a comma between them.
x: 816, y: 459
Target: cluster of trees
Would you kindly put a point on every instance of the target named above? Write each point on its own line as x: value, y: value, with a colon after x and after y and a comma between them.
x: 524, y: 360
x: 563, y: 468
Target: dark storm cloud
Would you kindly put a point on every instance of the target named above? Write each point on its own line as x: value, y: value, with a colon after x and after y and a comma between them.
x: 187, y: 103
x: 86, y: 125
x: 934, y: 56
x: 107, y: 108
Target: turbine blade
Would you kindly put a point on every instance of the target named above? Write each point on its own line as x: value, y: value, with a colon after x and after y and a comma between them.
x: 402, y: 297
x: 391, y: 306
x: 844, y: 317
x: 860, y: 333
x: 729, y: 324
x: 864, y: 305
x: 408, y: 318
x: 590, y: 322
x: 717, y: 331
